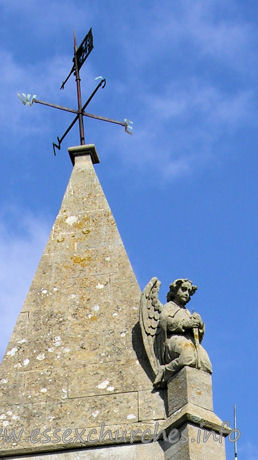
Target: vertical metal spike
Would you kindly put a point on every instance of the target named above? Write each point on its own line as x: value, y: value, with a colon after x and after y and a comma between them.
x: 74, y: 42
x: 78, y: 86
x: 235, y: 427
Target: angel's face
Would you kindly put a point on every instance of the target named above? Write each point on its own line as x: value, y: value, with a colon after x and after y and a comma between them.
x: 183, y: 295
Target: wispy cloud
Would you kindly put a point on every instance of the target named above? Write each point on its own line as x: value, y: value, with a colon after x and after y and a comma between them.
x: 195, y: 96
x: 186, y: 113
x: 179, y: 128
x: 19, y: 255
x: 205, y: 27
x: 28, y: 79
x: 217, y: 36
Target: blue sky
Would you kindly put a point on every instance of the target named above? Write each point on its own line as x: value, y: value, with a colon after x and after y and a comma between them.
x: 182, y: 188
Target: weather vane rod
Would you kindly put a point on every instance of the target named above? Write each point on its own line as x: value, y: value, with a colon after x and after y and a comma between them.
x: 80, y: 56
x: 235, y: 428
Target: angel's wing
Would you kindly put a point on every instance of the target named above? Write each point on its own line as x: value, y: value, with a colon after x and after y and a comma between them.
x: 150, y: 309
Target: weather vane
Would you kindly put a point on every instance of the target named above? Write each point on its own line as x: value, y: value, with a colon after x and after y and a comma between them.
x: 80, y: 56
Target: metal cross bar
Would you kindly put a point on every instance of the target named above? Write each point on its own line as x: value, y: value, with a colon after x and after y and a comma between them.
x: 109, y: 120
x: 55, y: 106
x: 67, y: 109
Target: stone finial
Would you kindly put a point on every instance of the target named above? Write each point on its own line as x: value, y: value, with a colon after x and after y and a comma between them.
x: 81, y: 150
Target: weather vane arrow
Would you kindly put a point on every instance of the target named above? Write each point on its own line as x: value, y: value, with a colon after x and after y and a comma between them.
x: 80, y: 55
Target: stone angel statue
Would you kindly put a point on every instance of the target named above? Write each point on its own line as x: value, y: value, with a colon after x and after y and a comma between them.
x: 171, y: 335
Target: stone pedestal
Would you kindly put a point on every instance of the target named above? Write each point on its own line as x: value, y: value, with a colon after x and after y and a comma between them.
x: 198, y: 431
x: 189, y: 385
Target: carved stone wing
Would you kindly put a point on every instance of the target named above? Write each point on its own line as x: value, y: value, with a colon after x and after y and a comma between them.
x: 150, y: 309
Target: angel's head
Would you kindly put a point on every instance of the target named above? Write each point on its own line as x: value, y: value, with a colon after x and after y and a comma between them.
x: 180, y: 291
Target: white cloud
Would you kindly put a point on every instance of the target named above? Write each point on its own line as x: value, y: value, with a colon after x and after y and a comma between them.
x: 19, y: 255
x: 202, y: 99
x: 200, y: 25
x: 220, y: 38
x: 28, y: 79
x: 178, y: 129
x: 181, y: 119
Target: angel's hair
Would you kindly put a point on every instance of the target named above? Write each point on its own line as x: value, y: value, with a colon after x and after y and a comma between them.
x: 173, y: 287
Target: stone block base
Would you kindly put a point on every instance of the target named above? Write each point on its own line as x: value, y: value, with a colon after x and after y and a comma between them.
x: 189, y: 385
x: 196, y: 443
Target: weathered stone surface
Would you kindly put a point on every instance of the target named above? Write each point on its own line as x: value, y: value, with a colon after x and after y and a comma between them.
x: 191, y: 413
x: 72, y: 361
x: 104, y: 379
x: 92, y: 411
x: 132, y: 452
x: 206, y: 427
x: 195, y: 427
x: 10, y: 385
x: 52, y: 438
x: 189, y: 385
x: 152, y: 405
x: 196, y: 444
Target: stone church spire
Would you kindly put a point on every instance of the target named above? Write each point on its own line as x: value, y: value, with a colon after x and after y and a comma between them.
x: 70, y: 362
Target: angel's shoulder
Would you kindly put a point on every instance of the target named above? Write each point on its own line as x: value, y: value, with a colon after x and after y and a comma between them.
x: 169, y: 309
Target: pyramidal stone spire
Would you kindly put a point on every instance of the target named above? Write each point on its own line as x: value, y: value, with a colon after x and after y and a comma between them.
x: 75, y: 381
x: 72, y: 360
